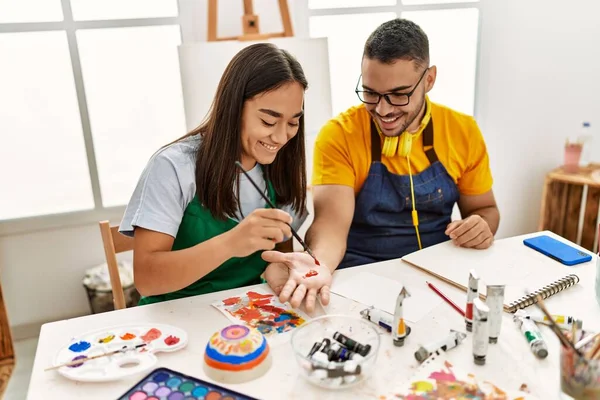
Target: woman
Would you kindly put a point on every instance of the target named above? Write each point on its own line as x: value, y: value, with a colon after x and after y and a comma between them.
x: 200, y: 226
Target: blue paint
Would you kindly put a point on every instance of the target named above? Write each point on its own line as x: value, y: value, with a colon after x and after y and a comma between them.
x: 200, y: 392
x: 215, y: 355
x: 160, y: 377
x: 79, y: 347
x: 283, y: 317
x: 173, y: 383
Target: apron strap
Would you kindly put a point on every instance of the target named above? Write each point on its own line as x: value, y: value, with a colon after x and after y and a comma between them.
x: 375, y: 143
x: 428, y: 143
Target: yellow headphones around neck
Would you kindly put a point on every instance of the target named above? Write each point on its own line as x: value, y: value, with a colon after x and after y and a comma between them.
x: 402, y: 144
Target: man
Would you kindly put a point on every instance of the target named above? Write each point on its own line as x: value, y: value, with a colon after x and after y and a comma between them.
x: 388, y: 172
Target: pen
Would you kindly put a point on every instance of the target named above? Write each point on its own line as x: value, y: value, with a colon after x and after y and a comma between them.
x: 270, y: 203
x: 443, y: 296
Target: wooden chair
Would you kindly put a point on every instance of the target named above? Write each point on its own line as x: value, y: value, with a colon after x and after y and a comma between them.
x: 114, y: 243
x: 7, y: 352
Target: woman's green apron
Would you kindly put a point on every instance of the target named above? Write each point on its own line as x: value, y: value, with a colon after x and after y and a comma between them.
x: 197, y: 226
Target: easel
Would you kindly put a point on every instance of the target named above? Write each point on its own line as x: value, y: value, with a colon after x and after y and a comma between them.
x: 250, y: 23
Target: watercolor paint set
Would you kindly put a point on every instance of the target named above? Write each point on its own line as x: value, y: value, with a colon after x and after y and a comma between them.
x: 166, y: 384
x: 118, y: 352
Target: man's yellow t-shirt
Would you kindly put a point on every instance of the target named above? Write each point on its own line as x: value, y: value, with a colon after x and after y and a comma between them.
x: 342, y: 153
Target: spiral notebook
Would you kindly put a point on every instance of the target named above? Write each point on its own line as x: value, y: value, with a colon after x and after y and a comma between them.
x: 510, y: 262
x: 438, y: 378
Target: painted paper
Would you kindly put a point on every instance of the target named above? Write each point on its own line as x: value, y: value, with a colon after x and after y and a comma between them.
x: 440, y: 379
x: 261, y: 310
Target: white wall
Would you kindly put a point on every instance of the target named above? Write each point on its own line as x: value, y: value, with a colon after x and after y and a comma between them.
x: 538, y: 80
x: 41, y: 272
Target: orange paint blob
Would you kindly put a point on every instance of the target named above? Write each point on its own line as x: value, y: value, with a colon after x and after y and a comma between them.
x: 128, y: 336
x: 151, y: 335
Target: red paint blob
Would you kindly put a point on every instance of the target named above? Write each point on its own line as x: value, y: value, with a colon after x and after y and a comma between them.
x: 231, y: 301
x: 310, y: 273
x: 171, y: 340
x: 317, y: 262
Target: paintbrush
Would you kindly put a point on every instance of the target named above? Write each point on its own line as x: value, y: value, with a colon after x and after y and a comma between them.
x: 586, y: 340
x: 270, y: 203
x: 83, y: 360
x: 555, y: 328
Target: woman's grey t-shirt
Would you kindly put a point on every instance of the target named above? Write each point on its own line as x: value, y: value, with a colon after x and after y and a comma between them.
x: 168, y: 185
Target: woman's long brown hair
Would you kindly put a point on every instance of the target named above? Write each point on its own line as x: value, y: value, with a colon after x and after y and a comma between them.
x: 256, y: 69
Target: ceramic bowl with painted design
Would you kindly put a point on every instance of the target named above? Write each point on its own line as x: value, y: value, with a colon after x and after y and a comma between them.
x: 336, y: 351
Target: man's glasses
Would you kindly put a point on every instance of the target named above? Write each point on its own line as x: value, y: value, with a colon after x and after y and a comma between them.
x: 394, y: 99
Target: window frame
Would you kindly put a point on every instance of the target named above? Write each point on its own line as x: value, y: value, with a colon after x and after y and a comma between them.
x: 70, y: 26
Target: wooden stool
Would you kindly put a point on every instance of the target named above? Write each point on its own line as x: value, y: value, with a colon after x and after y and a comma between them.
x: 562, y: 202
x: 7, y: 354
x: 250, y: 23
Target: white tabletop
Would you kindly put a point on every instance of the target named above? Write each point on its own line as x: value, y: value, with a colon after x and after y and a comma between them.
x: 510, y: 363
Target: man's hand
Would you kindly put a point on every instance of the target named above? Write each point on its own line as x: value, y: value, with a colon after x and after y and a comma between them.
x: 472, y: 232
x: 295, y: 276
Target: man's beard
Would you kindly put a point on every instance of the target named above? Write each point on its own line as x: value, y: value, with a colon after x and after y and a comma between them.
x: 409, y: 120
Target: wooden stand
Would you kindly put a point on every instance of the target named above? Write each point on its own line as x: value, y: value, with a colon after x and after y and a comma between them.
x: 7, y: 354
x: 562, y: 202
x: 250, y: 23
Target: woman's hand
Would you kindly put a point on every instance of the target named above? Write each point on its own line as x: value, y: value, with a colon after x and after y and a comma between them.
x: 295, y: 276
x: 261, y: 230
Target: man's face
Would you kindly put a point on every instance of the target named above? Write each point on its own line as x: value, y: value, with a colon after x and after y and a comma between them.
x: 396, y: 80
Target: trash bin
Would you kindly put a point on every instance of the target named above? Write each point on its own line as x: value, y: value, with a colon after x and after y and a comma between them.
x: 99, y: 291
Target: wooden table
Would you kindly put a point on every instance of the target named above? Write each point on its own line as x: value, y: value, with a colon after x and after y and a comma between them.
x: 563, y: 202
x: 510, y: 362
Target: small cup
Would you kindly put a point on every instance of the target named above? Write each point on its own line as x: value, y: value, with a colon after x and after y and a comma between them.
x: 579, y: 377
x: 572, y: 157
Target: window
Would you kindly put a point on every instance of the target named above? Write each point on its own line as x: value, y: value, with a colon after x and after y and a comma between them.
x: 79, y: 92
x: 453, y: 31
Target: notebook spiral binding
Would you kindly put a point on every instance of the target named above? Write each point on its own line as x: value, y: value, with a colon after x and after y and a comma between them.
x: 545, y: 292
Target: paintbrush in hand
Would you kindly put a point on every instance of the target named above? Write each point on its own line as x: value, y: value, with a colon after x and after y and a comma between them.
x: 83, y: 360
x: 555, y: 328
x: 270, y: 203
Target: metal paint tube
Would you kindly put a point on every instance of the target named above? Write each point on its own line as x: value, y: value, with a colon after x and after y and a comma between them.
x: 480, y: 331
x: 399, y: 330
x: 472, y: 291
x: 495, y: 302
x: 378, y: 317
x: 563, y: 321
x: 352, y: 345
x: 449, y: 342
x: 532, y: 334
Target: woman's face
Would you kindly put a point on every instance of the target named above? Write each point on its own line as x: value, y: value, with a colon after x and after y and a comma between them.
x: 269, y: 121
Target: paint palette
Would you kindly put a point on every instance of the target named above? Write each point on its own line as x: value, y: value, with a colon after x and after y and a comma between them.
x: 156, y: 337
x: 166, y: 384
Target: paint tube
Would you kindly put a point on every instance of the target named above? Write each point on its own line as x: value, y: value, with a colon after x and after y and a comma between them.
x: 532, y: 334
x: 495, y: 302
x: 379, y: 317
x: 471, y: 295
x: 480, y: 331
x: 352, y: 345
x: 563, y: 321
x: 340, y: 353
x: 449, y: 342
x: 319, y: 346
x: 400, y: 331
x: 334, y: 370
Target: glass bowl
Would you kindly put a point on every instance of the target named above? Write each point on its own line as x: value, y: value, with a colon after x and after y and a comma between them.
x: 341, y: 363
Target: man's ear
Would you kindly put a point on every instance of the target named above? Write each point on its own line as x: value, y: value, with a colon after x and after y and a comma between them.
x: 430, y: 78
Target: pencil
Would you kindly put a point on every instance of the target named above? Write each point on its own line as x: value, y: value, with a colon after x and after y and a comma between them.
x: 443, y: 296
x: 270, y: 203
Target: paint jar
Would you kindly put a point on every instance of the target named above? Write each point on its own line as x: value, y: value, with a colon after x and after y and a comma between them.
x: 336, y: 351
x: 579, y: 376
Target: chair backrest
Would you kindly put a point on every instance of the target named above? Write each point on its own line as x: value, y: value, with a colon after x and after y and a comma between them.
x: 114, y: 243
x: 7, y: 353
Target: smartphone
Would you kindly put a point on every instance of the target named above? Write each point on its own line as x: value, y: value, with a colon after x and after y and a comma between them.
x: 557, y: 250
x: 164, y: 383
